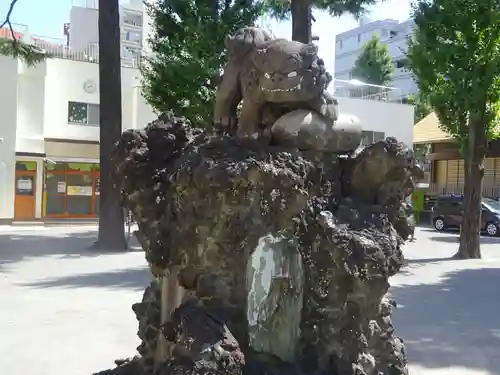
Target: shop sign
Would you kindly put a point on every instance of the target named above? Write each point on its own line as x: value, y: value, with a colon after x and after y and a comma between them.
x: 98, y: 186
x: 24, y: 184
x: 61, y: 187
x: 80, y: 190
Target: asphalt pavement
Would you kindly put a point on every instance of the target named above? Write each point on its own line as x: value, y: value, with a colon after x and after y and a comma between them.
x: 67, y: 311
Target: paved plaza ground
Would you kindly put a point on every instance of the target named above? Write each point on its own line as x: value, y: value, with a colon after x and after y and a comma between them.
x: 66, y: 310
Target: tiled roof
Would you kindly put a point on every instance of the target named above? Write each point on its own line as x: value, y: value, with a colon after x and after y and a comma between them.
x: 427, y: 130
x: 6, y: 33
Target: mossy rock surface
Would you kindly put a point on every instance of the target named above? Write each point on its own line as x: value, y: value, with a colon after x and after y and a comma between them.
x: 203, y: 203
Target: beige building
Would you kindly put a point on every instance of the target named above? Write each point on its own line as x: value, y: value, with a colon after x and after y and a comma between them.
x: 445, y: 165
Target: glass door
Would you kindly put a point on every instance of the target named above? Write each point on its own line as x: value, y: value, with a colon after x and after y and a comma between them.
x: 55, y: 188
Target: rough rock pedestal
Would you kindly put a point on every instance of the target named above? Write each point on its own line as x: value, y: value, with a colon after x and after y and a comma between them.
x: 265, y: 259
x: 271, y: 242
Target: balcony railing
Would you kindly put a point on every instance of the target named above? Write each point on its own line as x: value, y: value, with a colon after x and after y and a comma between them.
x: 132, y: 23
x: 360, y: 90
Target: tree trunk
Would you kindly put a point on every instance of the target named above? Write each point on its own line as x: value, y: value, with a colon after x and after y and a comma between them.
x: 111, y: 222
x: 470, y: 233
x: 302, y: 21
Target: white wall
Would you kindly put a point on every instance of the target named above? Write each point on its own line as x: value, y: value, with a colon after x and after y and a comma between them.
x: 31, y: 108
x: 64, y: 83
x: 394, y: 119
x: 44, y: 93
x: 83, y: 26
x: 35, y: 104
x: 8, y: 120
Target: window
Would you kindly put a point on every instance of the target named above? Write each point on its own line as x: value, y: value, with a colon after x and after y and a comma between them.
x: 83, y: 114
x: 378, y: 136
x: 133, y: 36
x: 359, y: 38
x: 340, y: 44
x: 133, y: 20
x: 368, y: 137
x: 393, y: 33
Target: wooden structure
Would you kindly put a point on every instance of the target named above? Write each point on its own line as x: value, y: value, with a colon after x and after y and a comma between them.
x: 444, y: 164
x: 25, y: 188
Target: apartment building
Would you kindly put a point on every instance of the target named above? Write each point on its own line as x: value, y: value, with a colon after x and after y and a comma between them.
x: 394, y: 34
x: 134, y: 25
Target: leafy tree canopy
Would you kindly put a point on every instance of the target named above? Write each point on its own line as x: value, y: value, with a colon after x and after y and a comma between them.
x: 188, y: 52
x: 455, y: 56
x: 15, y: 48
x: 374, y: 65
x: 421, y: 104
x: 300, y: 11
x: 281, y: 9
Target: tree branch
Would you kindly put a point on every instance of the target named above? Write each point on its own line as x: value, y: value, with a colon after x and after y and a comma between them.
x: 15, y: 48
x: 8, y: 23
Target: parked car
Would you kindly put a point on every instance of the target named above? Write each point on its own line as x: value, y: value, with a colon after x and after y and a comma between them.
x: 448, y: 213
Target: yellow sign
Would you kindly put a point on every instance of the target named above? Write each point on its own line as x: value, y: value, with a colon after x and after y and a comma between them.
x: 80, y: 190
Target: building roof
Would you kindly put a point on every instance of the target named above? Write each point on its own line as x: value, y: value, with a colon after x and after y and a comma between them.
x: 365, y: 28
x: 428, y: 130
x: 5, y: 33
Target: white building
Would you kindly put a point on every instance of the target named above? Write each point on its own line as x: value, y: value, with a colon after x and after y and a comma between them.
x: 134, y: 25
x: 49, y: 137
x: 380, y: 119
x: 394, y: 34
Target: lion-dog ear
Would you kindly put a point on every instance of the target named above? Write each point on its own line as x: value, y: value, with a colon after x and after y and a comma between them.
x: 246, y: 39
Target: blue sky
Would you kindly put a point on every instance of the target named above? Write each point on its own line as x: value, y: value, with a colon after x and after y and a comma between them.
x: 48, y: 21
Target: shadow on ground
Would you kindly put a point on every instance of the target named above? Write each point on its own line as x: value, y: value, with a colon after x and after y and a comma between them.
x: 453, y: 323
x: 454, y: 239
x: 17, y: 246
x: 130, y: 278
x: 427, y: 260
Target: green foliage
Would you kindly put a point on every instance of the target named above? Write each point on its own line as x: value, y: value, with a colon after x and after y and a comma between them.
x: 281, y: 9
x: 374, y: 65
x: 28, y: 53
x: 189, y: 52
x: 421, y: 104
x: 455, y: 56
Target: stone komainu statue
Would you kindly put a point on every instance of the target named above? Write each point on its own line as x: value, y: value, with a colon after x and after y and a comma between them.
x: 272, y: 78
x: 268, y: 257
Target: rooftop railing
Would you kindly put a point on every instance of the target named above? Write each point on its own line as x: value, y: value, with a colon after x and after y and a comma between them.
x: 88, y: 54
x: 132, y: 22
x: 57, y: 48
x: 94, y: 4
x: 361, y: 90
